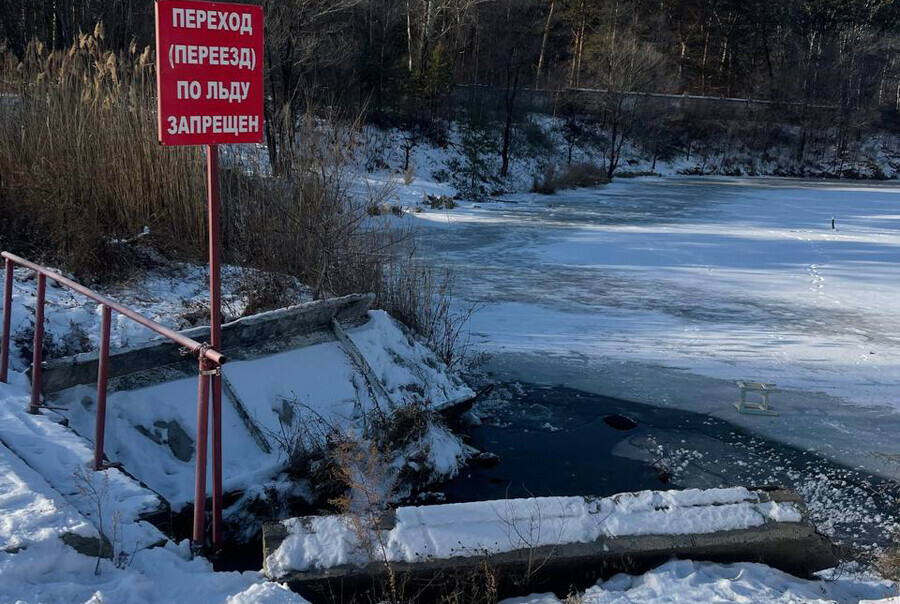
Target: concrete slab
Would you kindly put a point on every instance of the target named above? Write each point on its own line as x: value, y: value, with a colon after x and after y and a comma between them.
x: 247, y: 333
x: 792, y: 546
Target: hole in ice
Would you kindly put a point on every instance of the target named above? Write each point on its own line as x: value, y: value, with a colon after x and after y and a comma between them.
x: 620, y: 422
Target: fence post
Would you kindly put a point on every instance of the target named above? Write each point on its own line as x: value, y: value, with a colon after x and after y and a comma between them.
x: 7, y: 319
x: 37, y: 356
x: 102, y: 377
x: 202, y: 442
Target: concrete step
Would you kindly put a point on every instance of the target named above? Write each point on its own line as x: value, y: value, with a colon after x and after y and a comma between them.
x: 543, y: 544
x: 111, y: 500
x: 34, y: 513
x: 246, y: 337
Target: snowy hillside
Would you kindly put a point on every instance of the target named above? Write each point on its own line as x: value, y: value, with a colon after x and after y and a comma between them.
x: 443, y: 168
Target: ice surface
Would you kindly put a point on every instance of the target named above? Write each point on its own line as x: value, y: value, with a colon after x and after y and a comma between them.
x: 666, y: 290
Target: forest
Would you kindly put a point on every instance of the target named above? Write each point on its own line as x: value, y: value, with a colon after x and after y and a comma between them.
x: 404, y: 61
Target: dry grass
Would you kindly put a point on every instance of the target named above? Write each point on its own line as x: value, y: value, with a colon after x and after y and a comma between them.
x: 79, y: 157
x: 888, y: 564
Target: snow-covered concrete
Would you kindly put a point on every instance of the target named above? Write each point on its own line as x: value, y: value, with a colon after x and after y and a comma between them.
x: 51, y: 495
x: 319, y: 381
x: 477, y: 529
x: 30, y: 510
x: 63, y: 459
x: 174, y: 294
x: 44, y: 499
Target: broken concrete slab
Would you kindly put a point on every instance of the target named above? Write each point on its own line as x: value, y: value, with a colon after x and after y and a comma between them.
x: 170, y: 433
x: 785, y: 541
x: 246, y: 333
x: 95, y: 547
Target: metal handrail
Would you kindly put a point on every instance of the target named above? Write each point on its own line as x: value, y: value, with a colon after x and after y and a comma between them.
x: 180, y: 339
x: 209, y: 362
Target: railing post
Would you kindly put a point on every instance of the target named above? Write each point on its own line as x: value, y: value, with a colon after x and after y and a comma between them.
x: 216, y: 387
x: 37, y: 357
x: 202, y: 442
x: 102, y: 378
x: 215, y: 330
x: 7, y: 319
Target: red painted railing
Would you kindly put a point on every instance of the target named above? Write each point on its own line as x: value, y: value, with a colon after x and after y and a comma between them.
x: 209, y: 361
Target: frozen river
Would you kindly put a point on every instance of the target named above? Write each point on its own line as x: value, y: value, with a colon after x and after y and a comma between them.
x: 664, y: 291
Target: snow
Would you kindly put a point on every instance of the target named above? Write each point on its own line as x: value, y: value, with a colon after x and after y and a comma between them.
x: 31, y: 511
x: 175, y: 296
x: 491, y: 527
x: 684, y: 581
x: 320, y: 380
x: 50, y: 573
x: 62, y: 459
x: 446, y: 452
x: 40, y: 501
x: 403, y: 364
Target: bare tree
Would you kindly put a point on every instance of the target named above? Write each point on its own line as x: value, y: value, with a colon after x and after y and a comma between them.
x: 303, y: 37
x: 622, y: 69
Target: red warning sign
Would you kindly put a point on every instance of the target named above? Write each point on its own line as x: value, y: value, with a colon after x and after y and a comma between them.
x: 209, y: 72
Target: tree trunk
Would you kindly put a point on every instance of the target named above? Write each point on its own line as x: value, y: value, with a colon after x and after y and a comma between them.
x: 540, y: 66
x: 423, y: 36
x: 578, y: 45
x: 510, y: 107
x: 409, y: 50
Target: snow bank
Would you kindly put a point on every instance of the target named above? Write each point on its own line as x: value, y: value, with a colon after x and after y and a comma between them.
x: 492, y: 527
x: 50, y: 573
x: 686, y: 582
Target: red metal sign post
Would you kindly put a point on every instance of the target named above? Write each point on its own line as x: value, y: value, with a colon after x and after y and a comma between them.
x: 210, y: 91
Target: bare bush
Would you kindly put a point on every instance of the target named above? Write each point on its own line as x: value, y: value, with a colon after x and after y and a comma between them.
x: 574, y: 176
x: 545, y: 183
x: 265, y: 290
x: 94, y: 487
x: 888, y: 564
x: 422, y: 298
x: 438, y: 202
